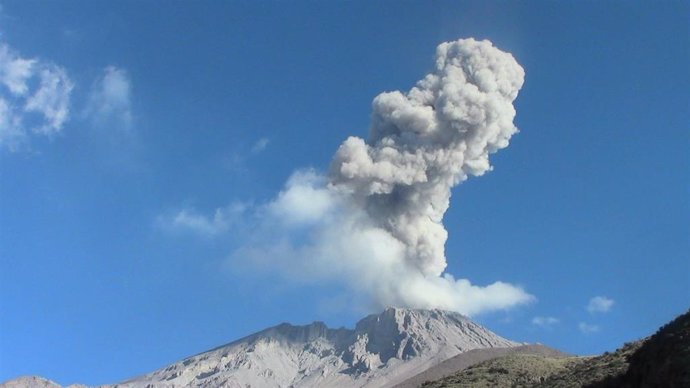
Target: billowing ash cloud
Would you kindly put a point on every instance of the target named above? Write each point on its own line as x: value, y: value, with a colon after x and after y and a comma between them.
x: 425, y: 142
x: 374, y: 222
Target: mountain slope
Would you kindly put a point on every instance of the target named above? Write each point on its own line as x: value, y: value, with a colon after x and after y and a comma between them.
x: 382, y: 350
x: 30, y: 382
x: 538, y: 371
x: 467, y: 359
x: 662, y: 360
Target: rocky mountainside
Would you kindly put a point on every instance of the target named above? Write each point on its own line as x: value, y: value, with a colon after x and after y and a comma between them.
x: 30, y: 382
x: 382, y: 350
x: 662, y: 360
x: 35, y: 382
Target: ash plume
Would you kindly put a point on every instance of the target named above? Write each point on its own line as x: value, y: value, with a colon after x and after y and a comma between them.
x: 428, y: 140
x: 375, y: 221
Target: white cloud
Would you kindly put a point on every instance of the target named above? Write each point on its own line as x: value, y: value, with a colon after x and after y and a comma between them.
x: 600, y: 304
x: 109, y: 104
x: 303, y: 201
x: 545, y: 321
x: 311, y: 234
x: 587, y: 328
x: 260, y: 145
x: 51, y: 100
x: 189, y: 220
x: 15, y: 71
x: 34, y: 98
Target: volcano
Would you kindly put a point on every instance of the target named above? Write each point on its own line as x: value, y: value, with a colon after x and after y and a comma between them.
x: 382, y: 350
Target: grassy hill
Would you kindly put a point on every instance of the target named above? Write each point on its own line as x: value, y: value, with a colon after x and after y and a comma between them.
x: 662, y: 360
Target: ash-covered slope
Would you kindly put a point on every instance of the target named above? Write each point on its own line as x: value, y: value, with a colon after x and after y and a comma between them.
x: 30, y: 382
x: 382, y: 350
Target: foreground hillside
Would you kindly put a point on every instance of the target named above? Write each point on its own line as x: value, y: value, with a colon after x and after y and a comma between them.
x: 476, y: 356
x: 662, y: 360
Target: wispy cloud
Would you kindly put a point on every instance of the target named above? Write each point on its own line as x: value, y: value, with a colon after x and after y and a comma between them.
x: 34, y: 98
x: 15, y: 71
x: 600, y: 304
x: 260, y: 145
x: 238, y: 159
x: 545, y: 321
x: 190, y: 220
x: 110, y: 102
x: 587, y: 328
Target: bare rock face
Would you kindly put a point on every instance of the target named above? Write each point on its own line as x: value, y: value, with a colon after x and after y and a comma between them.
x: 30, y: 382
x: 382, y: 350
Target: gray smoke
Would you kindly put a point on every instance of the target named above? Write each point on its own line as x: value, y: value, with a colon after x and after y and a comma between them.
x: 428, y: 140
x: 375, y: 222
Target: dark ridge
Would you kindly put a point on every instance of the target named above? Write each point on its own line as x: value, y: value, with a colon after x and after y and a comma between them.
x: 663, y: 360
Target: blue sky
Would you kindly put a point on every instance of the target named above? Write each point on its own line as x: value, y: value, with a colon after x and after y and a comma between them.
x: 186, y: 110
